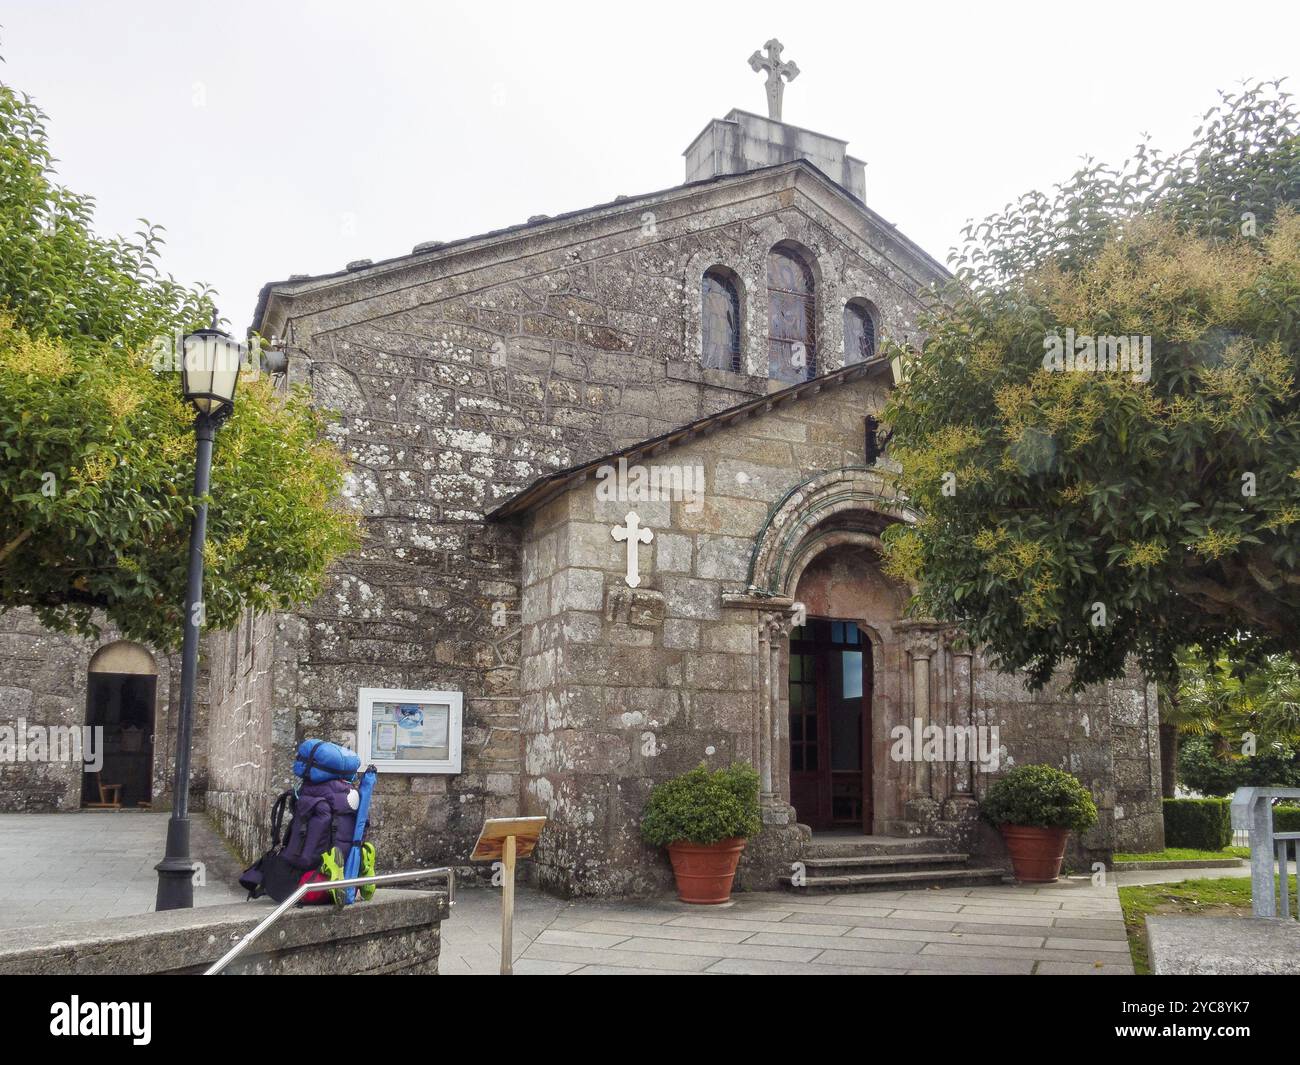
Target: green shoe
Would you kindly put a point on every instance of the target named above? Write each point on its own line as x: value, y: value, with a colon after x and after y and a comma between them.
x: 332, y: 868
x: 368, y: 869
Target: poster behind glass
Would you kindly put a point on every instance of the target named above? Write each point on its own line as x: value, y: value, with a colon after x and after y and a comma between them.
x: 410, y: 731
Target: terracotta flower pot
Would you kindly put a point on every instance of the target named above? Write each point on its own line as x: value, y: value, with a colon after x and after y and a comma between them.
x: 704, y: 871
x: 1036, y: 853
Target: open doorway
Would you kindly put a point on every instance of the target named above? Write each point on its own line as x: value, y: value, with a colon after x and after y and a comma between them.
x: 121, y: 694
x: 830, y: 725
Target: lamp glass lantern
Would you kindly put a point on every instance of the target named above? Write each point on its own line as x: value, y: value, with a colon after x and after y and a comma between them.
x: 210, y: 371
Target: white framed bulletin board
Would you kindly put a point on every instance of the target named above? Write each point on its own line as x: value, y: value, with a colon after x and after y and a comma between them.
x: 409, y: 730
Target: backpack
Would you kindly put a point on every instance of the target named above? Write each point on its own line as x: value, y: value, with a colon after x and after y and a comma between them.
x: 322, y: 820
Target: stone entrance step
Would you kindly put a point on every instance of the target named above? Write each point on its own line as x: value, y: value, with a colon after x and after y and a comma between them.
x: 966, y: 876
x: 884, y: 861
x: 877, y: 863
x: 854, y: 846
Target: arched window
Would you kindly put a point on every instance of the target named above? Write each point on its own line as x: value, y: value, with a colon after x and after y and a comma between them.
x: 859, y: 331
x: 792, y: 316
x: 720, y: 320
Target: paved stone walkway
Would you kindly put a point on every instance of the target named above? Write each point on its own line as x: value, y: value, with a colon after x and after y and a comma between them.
x: 1066, y: 928
x: 92, y: 865
x: 98, y: 863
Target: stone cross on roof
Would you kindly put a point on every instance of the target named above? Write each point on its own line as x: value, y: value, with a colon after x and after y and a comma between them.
x: 775, y: 71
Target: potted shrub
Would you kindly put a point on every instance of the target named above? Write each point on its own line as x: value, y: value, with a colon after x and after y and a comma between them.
x: 704, y: 817
x: 1035, y: 807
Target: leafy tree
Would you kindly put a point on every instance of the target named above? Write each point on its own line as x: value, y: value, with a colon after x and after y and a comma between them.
x: 1229, y: 725
x: 1203, y: 768
x: 97, y: 449
x: 1078, y: 518
x: 1227, y: 702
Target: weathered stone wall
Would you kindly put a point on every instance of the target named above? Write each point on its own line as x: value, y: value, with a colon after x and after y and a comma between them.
x: 1105, y: 735
x: 43, y: 679
x: 252, y: 683
x: 461, y: 375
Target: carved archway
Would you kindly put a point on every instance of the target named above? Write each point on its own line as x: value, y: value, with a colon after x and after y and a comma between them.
x: 852, y: 504
x: 842, y: 508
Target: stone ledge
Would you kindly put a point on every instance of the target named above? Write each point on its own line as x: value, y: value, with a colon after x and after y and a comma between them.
x: 1223, y: 946
x: 396, y: 931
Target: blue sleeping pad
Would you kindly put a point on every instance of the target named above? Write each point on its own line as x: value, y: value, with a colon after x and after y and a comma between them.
x: 327, y: 761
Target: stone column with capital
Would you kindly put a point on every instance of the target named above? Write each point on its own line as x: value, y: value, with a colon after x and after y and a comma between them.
x: 921, y: 641
x: 773, y: 716
x: 961, y: 805
x: 774, y: 853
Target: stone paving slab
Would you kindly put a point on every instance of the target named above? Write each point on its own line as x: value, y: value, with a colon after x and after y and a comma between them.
x: 915, y: 962
x: 909, y: 934
x: 741, y: 967
x: 534, y: 967
x: 889, y: 946
x: 580, y: 939
x: 961, y: 950
x: 970, y: 917
x: 672, y: 932
x: 1078, y: 968
x: 1097, y: 926
x: 752, y: 948
x: 1223, y: 946
x: 753, y: 927
x: 620, y: 958
x: 1114, y: 946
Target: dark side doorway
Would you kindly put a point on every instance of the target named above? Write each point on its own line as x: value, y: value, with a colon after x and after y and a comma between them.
x: 122, y: 704
x: 830, y: 725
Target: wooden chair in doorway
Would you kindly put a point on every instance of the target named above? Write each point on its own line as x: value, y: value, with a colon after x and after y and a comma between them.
x: 110, y: 797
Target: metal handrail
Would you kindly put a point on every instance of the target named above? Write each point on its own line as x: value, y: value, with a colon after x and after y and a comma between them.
x: 1252, y: 809
x: 329, y: 885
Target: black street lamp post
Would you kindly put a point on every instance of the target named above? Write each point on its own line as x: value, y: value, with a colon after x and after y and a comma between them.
x: 209, y: 372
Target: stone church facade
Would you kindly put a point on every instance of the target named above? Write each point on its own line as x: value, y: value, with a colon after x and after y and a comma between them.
x: 721, y: 333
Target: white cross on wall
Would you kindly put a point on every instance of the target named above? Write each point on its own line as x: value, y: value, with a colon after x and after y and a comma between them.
x: 634, y: 534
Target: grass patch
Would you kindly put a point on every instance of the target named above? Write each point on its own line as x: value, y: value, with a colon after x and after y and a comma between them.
x: 1221, y: 897
x: 1183, y: 854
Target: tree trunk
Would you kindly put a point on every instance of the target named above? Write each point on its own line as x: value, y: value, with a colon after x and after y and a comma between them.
x: 1168, y: 759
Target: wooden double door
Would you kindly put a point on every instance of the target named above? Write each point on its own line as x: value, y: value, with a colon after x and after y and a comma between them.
x: 830, y: 725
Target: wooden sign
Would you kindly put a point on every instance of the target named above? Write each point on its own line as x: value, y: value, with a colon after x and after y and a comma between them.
x: 507, y: 838
x: 491, y: 841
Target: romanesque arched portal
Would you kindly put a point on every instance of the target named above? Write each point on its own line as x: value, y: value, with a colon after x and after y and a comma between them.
x: 832, y: 620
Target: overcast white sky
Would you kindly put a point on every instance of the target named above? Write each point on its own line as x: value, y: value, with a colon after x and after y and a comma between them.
x: 289, y: 137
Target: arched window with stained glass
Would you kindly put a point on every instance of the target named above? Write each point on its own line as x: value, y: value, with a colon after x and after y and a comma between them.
x: 720, y: 320
x: 792, y: 316
x: 859, y: 331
